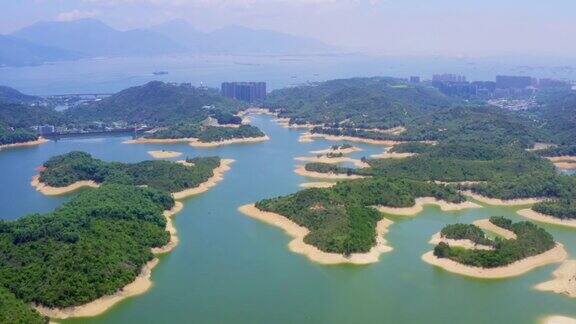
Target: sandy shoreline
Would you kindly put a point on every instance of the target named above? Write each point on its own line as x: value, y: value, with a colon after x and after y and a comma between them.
x: 554, y: 255
x: 285, y: 122
x: 198, y: 144
x: 137, y: 287
x: 298, y: 233
x: 164, y: 154
x: 542, y: 218
x: 464, y: 243
x: 486, y: 225
x: 392, y: 155
x: 301, y: 170
x: 502, y: 202
x: 338, y: 150
x: 335, y: 160
x: 56, y: 191
x: 308, y: 137
x: 421, y: 202
x: 205, y: 186
x: 39, y: 141
x: 558, y: 319
x: 564, y: 281
x: 194, y: 142
x: 318, y: 184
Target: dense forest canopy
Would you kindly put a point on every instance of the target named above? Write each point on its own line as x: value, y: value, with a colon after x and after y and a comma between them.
x: 159, y: 104
x: 11, y: 95
x: 358, y: 102
x: 340, y: 218
x: 66, y: 169
x: 89, y: 247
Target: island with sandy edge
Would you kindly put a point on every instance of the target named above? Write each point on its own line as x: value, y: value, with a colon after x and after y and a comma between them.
x: 164, y: 154
x: 301, y: 170
x: 39, y: 141
x: 297, y: 245
x: 56, y: 191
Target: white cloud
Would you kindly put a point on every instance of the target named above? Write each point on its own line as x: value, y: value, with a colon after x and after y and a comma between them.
x: 76, y: 14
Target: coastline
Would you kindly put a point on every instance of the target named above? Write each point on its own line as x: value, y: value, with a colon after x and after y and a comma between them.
x: 563, y: 282
x: 285, y: 122
x: 205, y: 186
x: 194, y: 142
x: 318, y: 184
x: 39, y: 141
x: 336, y: 160
x: 339, y: 150
x: 502, y: 202
x: 421, y: 202
x: 558, y: 319
x: 301, y: 170
x: 198, y: 144
x: 308, y: 137
x: 463, y: 243
x: 314, y: 254
x: 486, y: 225
x: 141, y: 284
x: 164, y: 154
x: 555, y: 255
x: 56, y: 191
x: 392, y: 155
x: 543, y: 218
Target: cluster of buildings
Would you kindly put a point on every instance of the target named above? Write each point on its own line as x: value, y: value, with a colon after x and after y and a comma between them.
x: 504, y: 86
x: 245, y: 91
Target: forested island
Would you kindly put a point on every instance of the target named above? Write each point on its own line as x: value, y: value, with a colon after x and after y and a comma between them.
x: 206, y: 134
x: 341, y: 219
x: 531, y: 247
x: 65, y: 170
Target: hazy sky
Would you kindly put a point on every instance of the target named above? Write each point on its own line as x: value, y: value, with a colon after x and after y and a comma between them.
x: 398, y: 27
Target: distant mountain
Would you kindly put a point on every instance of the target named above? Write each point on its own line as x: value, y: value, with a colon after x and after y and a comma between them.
x: 240, y: 40
x: 11, y: 95
x: 20, y: 52
x: 92, y: 38
x: 156, y: 103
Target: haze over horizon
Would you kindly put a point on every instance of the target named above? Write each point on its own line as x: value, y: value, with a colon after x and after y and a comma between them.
x: 410, y: 27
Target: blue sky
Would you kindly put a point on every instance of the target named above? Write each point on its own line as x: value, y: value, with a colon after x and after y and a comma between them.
x: 398, y: 27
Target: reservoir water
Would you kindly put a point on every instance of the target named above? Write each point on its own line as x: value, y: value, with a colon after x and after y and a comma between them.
x: 229, y: 268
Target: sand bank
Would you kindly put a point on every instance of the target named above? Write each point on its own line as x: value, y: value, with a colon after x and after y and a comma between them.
x: 338, y: 150
x: 464, y: 243
x: 558, y: 319
x: 564, y: 281
x: 334, y: 160
x: 285, y: 122
x: 542, y: 218
x: 205, y: 186
x: 197, y: 143
x: 39, y: 141
x: 298, y: 233
x: 486, y: 225
x: 309, y: 137
x: 55, y: 191
x: 164, y: 154
x: 168, y: 214
x: 317, y: 184
x: 502, y: 202
x: 392, y: 155
x: 554, y: 255
x: 301, y: 170
x: 419, y: 206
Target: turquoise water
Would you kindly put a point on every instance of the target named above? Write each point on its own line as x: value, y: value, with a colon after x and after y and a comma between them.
x: 229, y: 268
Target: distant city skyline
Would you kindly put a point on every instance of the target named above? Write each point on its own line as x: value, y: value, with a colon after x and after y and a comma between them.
x: 409, y: 27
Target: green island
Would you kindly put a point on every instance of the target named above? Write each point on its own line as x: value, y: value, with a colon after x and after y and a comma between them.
x: 206, y: 134
x: 67, y: 169
x: 87, y: 248
x: 341, y: 219
x: 530, y: 240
